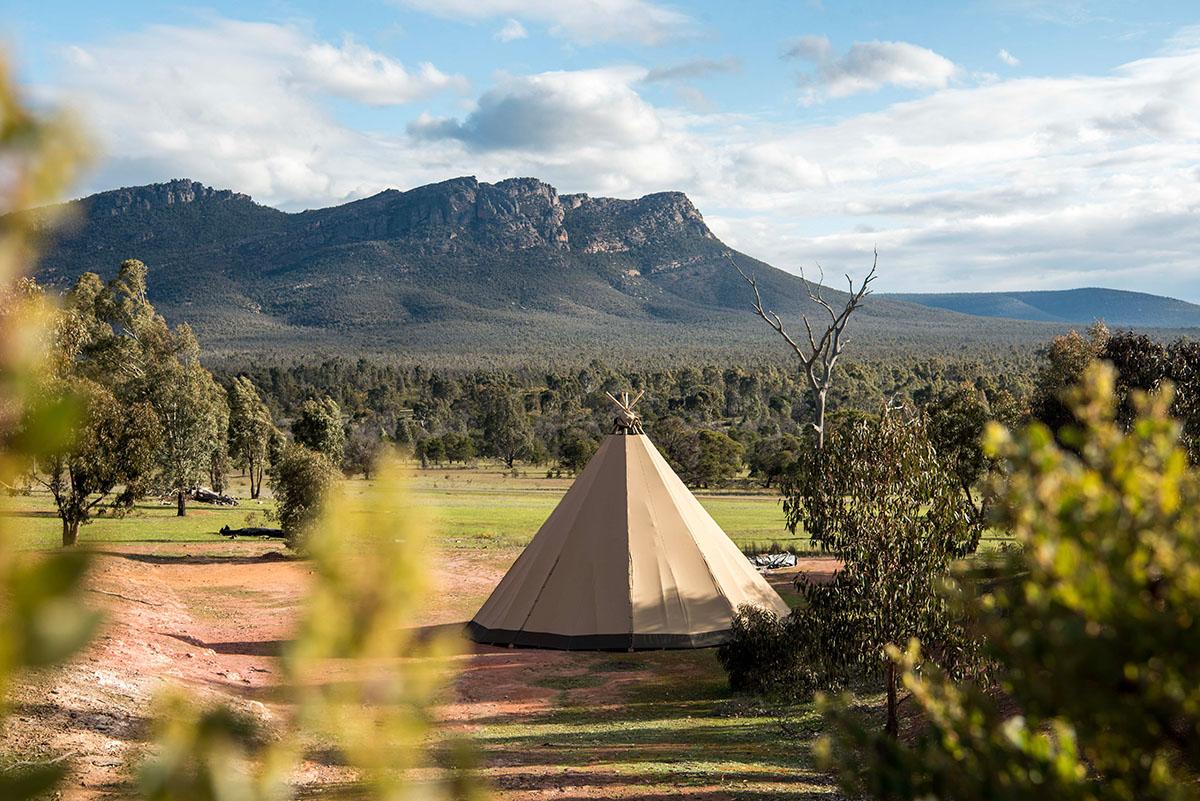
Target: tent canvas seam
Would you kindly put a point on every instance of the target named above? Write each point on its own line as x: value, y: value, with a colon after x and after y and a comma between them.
x: 687, y: 618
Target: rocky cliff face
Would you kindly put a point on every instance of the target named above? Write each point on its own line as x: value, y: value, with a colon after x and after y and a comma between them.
x: 510, y: 215
x: 178, y: 192
x: 607, y: 225
x: 514, y: 214
x: 456, y: 266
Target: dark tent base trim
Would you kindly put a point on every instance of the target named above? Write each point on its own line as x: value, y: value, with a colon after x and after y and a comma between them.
x: 595, y: 642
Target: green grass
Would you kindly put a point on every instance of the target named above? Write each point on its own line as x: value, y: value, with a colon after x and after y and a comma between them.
x: 680, y: 729
x: 477, y: 507
x: 482, y: 506
x: 485, y: 506
x: 35, y: 524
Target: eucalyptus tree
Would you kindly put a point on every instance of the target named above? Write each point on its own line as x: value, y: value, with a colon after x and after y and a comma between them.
x: 192, y: 410
x: 250, y: 430
x: 125, y: 346
x: 892, y: 509
x: 576, y: 448
x: 364, y: 446
x: 110, y: 456
x: 300, y: 479
x: 108, y: 459
x: 219, y: 460
x: 882, y: 500
x: 507, y: 434
x: 818, y: 353
x: 319, y: 427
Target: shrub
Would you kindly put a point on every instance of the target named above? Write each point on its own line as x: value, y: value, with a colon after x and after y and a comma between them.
x: 300, y: 479
x: 772, y: 655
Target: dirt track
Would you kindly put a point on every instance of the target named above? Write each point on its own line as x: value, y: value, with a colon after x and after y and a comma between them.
x: 213, y: 616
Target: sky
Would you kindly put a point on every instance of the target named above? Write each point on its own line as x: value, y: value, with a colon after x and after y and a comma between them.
x: 980, y: 145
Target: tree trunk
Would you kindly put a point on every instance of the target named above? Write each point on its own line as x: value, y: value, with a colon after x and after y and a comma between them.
x: 181, y: 498
x: 893, y: 722
x: 70, y: 533
x: 821, y: 419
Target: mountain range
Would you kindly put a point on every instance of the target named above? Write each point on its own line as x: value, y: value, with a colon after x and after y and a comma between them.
x: 1116, y: 307
x: 512, y: 269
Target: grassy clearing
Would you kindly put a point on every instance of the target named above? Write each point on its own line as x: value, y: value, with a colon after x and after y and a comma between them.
x: 477, y: 507
x: 647, y: 722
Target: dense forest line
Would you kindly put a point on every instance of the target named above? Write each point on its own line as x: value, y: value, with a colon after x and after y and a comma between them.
x: 455, y: 412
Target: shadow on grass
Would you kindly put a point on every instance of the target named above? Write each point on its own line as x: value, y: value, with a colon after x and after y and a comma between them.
x: 627, y: 787
x: 18, y: 513
x: 629, y: 725
x: 199, y: 559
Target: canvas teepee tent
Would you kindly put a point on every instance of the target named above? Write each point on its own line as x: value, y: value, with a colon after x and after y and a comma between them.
x: 628, y: 559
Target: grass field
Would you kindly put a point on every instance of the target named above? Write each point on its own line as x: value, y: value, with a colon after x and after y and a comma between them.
x: 474, y: 507
x: 478, y: 507
x: 589, y: 725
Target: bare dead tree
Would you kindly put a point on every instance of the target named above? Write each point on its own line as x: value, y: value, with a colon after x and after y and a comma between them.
x: 818, y: 355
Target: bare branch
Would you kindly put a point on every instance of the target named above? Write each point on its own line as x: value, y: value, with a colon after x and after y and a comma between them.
x: 771, y: 318
x: 821, y: 352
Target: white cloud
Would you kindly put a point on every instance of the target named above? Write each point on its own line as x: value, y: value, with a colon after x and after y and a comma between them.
x: 511, y: 31
x: 869, y: 66
x: 241, y: 104
x: 554, y: 111
x: 581, y: 21
x: 813, y: 48
x: 1008, y: 58
x: 1033, y: 183
x: 773, y: 167
x: 361, y: 74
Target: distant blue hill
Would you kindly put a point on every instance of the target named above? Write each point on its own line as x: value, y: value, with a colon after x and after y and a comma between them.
x: 1116, y: 307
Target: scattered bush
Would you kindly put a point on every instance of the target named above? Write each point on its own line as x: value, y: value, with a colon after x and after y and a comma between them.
x: 300, y: 479
x: 760, y: 656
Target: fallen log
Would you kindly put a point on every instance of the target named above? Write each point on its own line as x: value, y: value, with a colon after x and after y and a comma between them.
x: 253, y: 531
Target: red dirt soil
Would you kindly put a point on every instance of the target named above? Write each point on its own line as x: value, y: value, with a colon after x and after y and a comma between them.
x: 212, y: 618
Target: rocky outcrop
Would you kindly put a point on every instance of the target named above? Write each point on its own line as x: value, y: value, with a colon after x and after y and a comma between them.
x: 513, y: 214
x: 608, y: 225
x: 178, y: 192
x: 510, y: 215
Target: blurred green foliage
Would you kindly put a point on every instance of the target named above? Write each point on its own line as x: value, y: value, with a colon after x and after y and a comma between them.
x: 43, y: 619
x: 360, y: 677
x: 369, y: 568
x: 1094, y: 637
